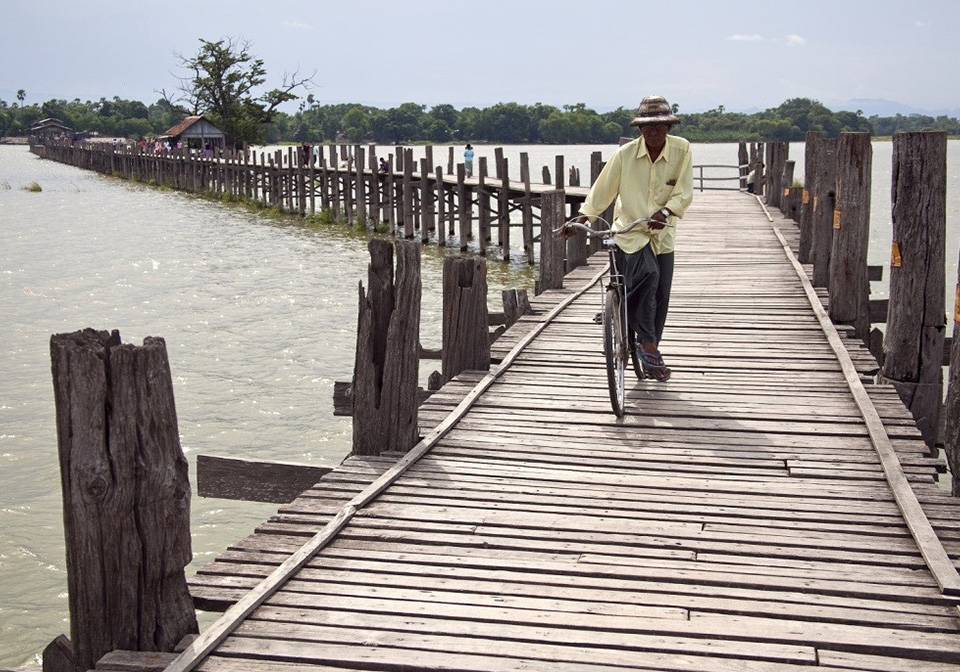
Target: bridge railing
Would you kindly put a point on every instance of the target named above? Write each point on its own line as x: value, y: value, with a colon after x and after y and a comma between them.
x: 724, y: 173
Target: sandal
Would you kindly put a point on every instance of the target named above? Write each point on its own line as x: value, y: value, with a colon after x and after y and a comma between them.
x: 653, y: 366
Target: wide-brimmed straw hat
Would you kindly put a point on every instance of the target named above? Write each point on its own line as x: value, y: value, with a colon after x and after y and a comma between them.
x: 654, y: 110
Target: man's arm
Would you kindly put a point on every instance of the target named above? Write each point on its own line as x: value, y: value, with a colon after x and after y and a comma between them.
x: 682, y: 195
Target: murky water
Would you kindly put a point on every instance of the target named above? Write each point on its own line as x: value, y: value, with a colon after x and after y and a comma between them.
x: 259, y: 316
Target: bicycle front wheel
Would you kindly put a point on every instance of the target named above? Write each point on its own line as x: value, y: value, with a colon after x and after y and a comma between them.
x: 615, y: 349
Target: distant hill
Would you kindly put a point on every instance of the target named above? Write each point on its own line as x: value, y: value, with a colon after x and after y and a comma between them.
x: 887, y: 108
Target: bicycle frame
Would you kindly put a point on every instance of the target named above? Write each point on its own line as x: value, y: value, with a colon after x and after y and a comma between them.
x: 619, y: 340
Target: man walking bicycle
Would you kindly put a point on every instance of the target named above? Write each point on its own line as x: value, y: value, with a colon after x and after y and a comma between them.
x: 651, y: 176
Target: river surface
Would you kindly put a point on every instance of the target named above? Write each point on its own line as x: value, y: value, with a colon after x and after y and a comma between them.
x: 259, y: 317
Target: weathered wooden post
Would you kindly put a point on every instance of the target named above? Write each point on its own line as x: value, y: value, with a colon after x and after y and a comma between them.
x: 913, y: 346
x: 552, y: 246
x: 951, y: 409
x: 503, y: 207
x: 526, y: 207
x: 441, y: 205
x: 483, y: 199
x: 466, y: 337
x: 388, y: 351
x: 806, y: 204
x: 426, y: 202
x: 824, y: 201
x: 464, y: 207
x: 743, y: 163
x: 407, y: 200
x: 126, y: 495
x: 849, y: 286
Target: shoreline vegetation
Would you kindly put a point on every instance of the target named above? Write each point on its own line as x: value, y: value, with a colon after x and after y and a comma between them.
x: 505, y: 123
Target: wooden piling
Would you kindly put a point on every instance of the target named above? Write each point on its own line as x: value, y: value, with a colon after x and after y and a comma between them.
x: 483, y: 198
x: 824, y: 198
x: 464, y: 210
x: 427, y: 223
x: 441, y: 207
x: 503, y: 207
x: 126, y: 495
x: 552, y: 246
x: 527, y: 207
x: 849, y: 286
x: 806, y: 203
x: 466, y: 340
x: 385, y: 372
x: 913, y: 344
x: 951, y: 409
x: 407, y: 200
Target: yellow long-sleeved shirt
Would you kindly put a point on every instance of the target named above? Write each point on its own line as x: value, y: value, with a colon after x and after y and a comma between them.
x: 642, y: 187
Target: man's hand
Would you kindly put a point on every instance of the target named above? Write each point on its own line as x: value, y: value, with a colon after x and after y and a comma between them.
x: 568, y: 231
x: 659, y: 221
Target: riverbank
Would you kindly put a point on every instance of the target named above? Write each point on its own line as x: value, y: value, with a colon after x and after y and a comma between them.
x: 14, y: 140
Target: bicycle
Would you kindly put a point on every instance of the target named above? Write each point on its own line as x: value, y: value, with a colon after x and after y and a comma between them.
x: 619, y: 341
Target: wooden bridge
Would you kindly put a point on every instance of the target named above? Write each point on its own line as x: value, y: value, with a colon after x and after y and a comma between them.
x: 770, y: 507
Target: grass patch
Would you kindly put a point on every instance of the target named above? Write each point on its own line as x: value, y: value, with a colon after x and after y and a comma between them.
x: 33, y: 187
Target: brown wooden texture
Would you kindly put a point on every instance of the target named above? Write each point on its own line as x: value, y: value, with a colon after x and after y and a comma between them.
x: 824, y: 198
x: 739, y: 517
x: 387, y: 359
x: 254, y: 480
x: 849, y: 288
x: 951, y: 408
x: 466, y: 344
x: 913, y: 344
x: 806, y: 200
x: 126, y: 495
x: 552, y: 246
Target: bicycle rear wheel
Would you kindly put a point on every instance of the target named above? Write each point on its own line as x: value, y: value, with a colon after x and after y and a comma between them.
x: 615, y: 349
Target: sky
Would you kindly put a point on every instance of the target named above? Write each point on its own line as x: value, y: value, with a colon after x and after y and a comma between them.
x: 699, y: 54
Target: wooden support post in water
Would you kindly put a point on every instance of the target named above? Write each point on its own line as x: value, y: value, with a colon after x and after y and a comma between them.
x: 913, y: 345
x: 503, y: 208
x: 385, y: 372
x: 849, y: 287
x: 441, y: 207
x: 464, y: 209
x: 951, y: 409
x: 743, y: 163
x: 427, y: 222
x: 126, y: 495
x: 552, y: 246
x: 824, y: 201
x: 527, y: 207
x: 361, y: 183
x: 466, y: 339
x: 407, y: 200
x: 806, y: 202
x: 483, y: 198
x: 389, y: 196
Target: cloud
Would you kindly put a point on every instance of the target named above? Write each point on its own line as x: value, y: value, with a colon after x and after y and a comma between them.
x: 795, y: 41
x: 746, y: 38
x: 298, y: 25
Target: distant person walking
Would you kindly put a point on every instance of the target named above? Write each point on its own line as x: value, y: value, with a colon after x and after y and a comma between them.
x: 468, y: 160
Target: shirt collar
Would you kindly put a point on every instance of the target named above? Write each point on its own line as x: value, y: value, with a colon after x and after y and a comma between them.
x: 642, y: 150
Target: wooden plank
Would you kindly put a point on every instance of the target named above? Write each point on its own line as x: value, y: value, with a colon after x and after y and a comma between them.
x: 933, y: 552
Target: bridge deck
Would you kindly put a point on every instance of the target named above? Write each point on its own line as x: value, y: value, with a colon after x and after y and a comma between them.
x: 738, y: 516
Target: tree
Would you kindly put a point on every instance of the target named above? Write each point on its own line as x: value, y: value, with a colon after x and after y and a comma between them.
x: 21, y: 96
x: 224, y: 86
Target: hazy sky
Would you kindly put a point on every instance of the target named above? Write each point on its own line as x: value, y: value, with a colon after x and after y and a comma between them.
x: 605, y: 53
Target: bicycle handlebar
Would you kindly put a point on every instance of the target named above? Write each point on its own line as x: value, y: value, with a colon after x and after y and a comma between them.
x: 608, y: 232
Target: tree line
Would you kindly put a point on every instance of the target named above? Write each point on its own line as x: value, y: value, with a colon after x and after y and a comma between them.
x: 504, y: 123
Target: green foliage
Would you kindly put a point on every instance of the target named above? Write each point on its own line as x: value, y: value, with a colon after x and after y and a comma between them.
x: 501, y: 123
x: 224, y: 83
